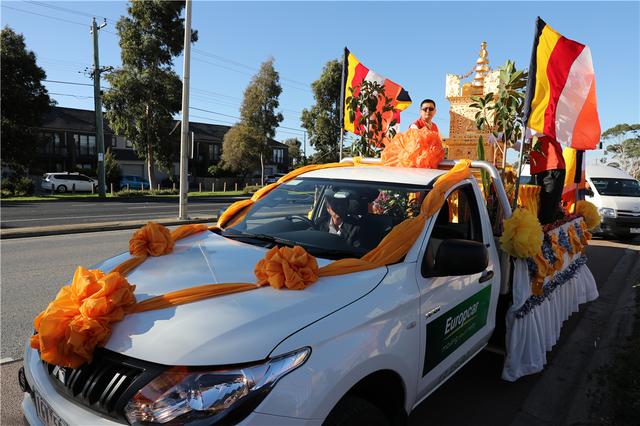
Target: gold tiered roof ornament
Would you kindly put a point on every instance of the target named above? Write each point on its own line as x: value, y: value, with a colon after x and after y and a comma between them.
x: 481, y: 69
x: 463, y: 135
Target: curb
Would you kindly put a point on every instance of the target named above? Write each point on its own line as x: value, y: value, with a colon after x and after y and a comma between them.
x: 40, y: 231
x: 560, y: 396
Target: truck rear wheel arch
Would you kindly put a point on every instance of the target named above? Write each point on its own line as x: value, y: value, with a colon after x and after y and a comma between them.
x: 384, y: 389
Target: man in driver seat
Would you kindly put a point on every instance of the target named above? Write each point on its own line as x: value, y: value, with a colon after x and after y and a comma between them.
x: 338, y: 222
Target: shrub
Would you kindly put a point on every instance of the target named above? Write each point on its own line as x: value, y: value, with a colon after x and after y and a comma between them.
x: 17, y: 187
x: 139, y: 193
x: 250, y: 189
x: 7, y: 187
x: 24, y: 186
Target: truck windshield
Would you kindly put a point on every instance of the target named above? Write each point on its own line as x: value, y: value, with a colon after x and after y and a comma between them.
x: 617, y: 187
x: 330, y: 218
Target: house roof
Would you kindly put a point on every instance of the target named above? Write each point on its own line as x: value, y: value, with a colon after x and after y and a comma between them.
x: 63, y: 118
x: 83, y: 120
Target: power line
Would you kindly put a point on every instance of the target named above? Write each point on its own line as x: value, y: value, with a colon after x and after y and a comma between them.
x: 245, y: 73
x: 68, y: 82
x: 238, y: 118
x: 46, y: 16
x: 68, y: 94
x: 51, y: 6
x: 223, y: 59
x: 53, y: 17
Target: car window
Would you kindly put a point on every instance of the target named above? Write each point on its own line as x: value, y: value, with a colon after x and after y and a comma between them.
x: 458, y: 218
x: 297, y: 213
x: 617, y: 187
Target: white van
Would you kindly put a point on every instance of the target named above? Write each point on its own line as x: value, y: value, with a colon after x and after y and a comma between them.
x: 616, y: 194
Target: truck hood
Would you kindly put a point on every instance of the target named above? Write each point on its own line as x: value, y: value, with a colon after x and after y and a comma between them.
x: 229, y: 329
x: 631, y: 204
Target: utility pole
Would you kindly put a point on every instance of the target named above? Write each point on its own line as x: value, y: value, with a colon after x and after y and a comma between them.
x: 304, y: 137
x: 98, y: 107
x: 184, y: 137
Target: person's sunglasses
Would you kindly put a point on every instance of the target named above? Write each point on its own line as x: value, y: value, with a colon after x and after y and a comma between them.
x: 425, y: 109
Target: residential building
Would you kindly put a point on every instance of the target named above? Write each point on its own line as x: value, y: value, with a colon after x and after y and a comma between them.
x: 71, y: 145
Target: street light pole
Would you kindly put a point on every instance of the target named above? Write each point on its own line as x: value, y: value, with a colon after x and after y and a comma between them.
x: 98, y: 108
x: 184, y: 137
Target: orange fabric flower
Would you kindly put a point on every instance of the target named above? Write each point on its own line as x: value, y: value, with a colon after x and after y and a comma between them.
x: 80, y: 317
x: 152, y: 239
x: 292, y: 268
x: 414, y: 148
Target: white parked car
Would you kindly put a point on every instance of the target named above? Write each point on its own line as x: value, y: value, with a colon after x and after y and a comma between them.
x: 66, y: 182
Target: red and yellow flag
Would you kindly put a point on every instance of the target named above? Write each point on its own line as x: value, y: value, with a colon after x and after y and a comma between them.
x: 561, y: 90
x: 355, y: 74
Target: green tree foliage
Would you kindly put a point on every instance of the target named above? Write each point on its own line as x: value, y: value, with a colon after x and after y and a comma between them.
x: 25, y: 100
x: 239, y: 152
x: 111, y: 168
x: 258, y: 122
x: 501, y: 113
x: 375, y: 109
x: 623, y: 143
x: 146, y: 93
x: 322, y: 120
x: 295, y: 153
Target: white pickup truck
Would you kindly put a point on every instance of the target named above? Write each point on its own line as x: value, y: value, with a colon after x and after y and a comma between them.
x: 360, y: 348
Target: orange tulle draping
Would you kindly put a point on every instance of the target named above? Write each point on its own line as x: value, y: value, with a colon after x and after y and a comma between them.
x: 80, y: 317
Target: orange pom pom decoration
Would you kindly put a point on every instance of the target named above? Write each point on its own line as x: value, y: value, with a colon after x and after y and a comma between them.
x: 414, y: 148
x: 292, y: 268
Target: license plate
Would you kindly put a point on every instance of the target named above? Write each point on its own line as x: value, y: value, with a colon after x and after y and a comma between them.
x: 634, y: 230
x: 46, y: 413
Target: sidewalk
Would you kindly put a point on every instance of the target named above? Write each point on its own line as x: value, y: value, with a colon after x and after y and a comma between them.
x: 38, y: 231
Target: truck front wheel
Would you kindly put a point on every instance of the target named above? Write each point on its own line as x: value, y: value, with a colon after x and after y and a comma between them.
x: 352, y: 410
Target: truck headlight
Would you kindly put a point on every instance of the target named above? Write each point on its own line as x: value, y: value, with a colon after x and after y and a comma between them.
x: 195, y: 393
x: 607, y: 212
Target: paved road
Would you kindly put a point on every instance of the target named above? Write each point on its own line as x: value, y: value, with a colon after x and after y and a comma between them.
x: 29, y: 214
x: 33, y: 269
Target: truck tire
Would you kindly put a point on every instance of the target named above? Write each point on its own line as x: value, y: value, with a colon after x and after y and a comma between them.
x: 355, y: 411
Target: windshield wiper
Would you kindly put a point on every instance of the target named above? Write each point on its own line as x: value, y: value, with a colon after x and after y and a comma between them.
x: 332, y: 253
x: 260, y: 237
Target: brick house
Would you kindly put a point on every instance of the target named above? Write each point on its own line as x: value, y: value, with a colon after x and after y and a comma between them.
x: 71, y: 145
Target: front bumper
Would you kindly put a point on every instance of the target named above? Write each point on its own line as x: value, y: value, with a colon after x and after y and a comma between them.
x: 72, y: 413
x: 620, y: 225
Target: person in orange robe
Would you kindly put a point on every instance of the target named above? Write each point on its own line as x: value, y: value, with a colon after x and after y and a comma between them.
x: 427, y: 111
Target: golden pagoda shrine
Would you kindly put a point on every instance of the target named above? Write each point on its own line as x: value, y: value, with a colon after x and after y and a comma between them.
x: 463, y: 135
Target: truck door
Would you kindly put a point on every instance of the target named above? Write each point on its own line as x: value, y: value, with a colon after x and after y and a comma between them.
x: 457, y: 312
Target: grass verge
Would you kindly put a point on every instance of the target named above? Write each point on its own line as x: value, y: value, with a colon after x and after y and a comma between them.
x: 64, y: 197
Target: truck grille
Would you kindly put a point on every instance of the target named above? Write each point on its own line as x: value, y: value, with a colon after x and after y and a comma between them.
x: 105, y: 385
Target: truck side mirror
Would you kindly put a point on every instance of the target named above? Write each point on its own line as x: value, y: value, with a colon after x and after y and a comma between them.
x: 460, y: 257
x: 588, y: 192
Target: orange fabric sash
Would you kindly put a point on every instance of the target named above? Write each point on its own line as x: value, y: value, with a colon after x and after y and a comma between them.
x: 80, y: 317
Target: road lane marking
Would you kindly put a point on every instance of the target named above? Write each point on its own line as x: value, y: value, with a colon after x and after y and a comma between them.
x: 6, y: 360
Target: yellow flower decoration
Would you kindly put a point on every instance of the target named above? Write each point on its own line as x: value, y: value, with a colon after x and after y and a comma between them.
x: 522, y: 236
x: 589, y: 212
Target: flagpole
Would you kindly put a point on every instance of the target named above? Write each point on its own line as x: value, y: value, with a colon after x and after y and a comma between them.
x: 520, y: 157
x: 577, y: 179
x: 344, y: 69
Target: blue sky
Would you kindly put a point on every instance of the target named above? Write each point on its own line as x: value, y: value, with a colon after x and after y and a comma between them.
x: 413, y: 43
